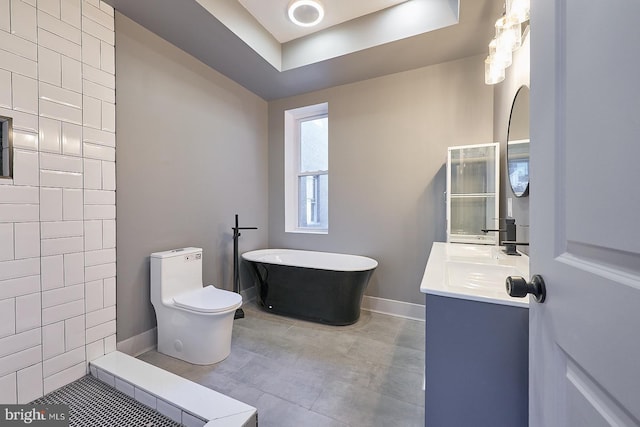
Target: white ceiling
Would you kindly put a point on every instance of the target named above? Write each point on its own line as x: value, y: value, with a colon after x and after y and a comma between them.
x: 272, y: 15
x: 405, y: 36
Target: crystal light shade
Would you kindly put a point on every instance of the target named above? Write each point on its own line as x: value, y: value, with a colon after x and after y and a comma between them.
x: 503, y: 57
x: 519, y: 9
x: 508, y: 34
x: 508, y: 39
x: 493, y: 72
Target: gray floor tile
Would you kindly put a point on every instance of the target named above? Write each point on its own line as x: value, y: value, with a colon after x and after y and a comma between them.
x: 276, y: 412
x: 399, y: 383
x: 299, y: 373
x: 168, y: 363
x: 362, y: 407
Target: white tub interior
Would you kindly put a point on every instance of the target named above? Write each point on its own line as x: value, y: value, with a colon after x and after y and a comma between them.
x: 312, y: 259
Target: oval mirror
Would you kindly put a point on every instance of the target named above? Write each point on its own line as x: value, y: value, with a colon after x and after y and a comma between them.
x: 518, y: 143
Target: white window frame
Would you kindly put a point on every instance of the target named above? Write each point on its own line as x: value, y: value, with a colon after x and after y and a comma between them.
x: 292, y: 174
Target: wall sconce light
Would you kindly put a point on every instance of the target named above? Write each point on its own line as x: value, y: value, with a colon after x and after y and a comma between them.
x: 508, y: 38
x: 305, y: 13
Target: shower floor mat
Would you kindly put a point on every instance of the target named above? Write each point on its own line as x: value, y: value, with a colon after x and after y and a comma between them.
x: 92, y: 403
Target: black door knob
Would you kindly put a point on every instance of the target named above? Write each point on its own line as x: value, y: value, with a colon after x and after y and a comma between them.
x: 518, y: 287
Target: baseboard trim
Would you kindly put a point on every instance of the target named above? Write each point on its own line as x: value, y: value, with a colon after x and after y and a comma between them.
x: 391, y: 307
x: 138, y: 344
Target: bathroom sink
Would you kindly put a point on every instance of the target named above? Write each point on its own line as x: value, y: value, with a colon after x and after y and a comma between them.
x: 473, y: 272
x: 470, y: 252
x: 474, y: 276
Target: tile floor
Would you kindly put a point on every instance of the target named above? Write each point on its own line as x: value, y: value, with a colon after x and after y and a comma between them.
x: 299, y: 373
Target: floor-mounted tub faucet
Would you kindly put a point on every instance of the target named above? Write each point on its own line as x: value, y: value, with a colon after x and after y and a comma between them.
x: 236, y: 264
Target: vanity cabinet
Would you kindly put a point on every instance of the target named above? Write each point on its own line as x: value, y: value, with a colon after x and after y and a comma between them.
x: 473, y: 182
x: 476, y: 363
x: 477, y: 338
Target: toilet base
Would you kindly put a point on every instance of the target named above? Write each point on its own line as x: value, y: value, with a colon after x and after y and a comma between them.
x: 200, y: 339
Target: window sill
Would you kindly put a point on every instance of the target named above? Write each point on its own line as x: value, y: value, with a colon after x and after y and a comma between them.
x: 307, y: 231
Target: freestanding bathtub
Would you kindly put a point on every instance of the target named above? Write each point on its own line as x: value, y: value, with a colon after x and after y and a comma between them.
x: 317, y: 286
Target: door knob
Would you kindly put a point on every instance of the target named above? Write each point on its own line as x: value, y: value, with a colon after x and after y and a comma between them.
x: 518, y: 287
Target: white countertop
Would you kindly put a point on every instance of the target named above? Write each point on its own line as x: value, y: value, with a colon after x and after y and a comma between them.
x: 473, y: 272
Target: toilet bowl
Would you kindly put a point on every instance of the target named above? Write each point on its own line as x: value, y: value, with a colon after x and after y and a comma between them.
x: 194, y: 322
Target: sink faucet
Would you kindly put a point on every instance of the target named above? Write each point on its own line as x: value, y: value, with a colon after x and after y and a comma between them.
x: 510, y: 242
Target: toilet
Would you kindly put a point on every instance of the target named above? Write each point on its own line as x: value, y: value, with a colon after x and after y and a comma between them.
x: 194, y: 322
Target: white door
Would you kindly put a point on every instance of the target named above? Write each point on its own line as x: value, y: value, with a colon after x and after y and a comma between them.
x: 585, y: 212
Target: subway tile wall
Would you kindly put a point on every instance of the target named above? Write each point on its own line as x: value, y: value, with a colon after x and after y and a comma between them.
x: 57, y: 213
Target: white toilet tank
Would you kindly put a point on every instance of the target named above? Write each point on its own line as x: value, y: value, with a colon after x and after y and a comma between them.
x: 175, y: 272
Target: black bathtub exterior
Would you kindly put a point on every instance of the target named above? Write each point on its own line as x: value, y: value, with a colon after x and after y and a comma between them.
x: 324, y: 296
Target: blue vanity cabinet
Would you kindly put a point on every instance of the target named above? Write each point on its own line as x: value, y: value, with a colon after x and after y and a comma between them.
x: 476, y: 361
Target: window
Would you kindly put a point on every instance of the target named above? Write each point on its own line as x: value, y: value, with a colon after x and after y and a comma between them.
x: 6, y: 137
x: 307, y: 169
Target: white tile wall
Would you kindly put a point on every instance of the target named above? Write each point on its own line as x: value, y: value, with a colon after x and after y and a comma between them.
x: 70, y: 12
x: 28, y: 312
x: 23, y: 20
x: 57, y: 215
x: 53, y: 340
x: 25, y: 94
x: 49, y: 66
x: 7, y: 317
x: 5, y: 89
x: 74, y: 332
x: 72, y: 139
x: 52, y: 272
x: 18, y: 45
x: 92, y: 174
x: 74, y: 268
x: 27, y: 240
x: 94, y: 350
x: 8, y: 384
x: 25, y: 167
x: 51, y: 7
x: 6, y: 242
x: 21, y: 121
x: 94, y: 299
x: 29, y: 383
x: 72, y: 204
x: 50, y: 135
x: 65, y: 377
x: 28, y: 141
x: 5, y: 15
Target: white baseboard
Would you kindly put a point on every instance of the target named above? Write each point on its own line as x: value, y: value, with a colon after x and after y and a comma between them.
x: 391, y: 307
x: 138, y: 344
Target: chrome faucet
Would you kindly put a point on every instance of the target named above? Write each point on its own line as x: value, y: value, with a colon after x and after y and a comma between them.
x: 510, y: 242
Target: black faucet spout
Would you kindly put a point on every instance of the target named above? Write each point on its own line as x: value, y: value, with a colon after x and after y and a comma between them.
x: 509, y: 242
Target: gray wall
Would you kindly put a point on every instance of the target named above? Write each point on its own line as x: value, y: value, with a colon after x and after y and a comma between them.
x: 388, y: 140
x: 192, y: 152
x: 516, y: 76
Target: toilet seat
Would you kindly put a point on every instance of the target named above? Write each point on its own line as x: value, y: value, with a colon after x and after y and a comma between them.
x: 208, y: 300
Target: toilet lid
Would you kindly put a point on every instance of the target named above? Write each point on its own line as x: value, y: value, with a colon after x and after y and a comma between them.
x: 208, y: 300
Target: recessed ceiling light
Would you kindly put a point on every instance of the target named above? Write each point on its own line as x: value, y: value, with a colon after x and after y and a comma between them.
x: 306, y: 13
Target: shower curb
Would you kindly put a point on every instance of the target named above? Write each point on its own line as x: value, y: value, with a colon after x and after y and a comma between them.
x: 182, y: 400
